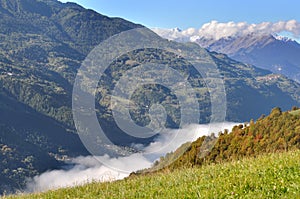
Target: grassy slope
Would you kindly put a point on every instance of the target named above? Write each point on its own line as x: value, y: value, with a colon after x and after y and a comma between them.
x: 268, y: 176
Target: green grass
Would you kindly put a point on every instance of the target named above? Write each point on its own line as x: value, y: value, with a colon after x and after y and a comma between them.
x: 268, y: 176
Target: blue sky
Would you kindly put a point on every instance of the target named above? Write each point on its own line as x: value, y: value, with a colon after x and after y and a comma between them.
x: 194, y: 13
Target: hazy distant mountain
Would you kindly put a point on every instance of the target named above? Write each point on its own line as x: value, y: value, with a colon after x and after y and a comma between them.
x: 42, y: 44
x: 278, y: 54
x: 265, y: 50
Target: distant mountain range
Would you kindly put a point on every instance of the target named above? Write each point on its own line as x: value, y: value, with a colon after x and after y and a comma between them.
x: 42, y: 45
x: 279, y: 54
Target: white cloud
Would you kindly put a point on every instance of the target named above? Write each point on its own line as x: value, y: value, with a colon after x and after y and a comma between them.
x: 88, y: 169
x: 217, y: 30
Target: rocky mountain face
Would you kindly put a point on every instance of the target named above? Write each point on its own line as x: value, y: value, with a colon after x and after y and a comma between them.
x: 42, y: 45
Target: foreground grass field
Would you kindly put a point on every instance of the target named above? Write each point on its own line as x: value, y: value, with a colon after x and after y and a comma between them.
x: 268, y: 176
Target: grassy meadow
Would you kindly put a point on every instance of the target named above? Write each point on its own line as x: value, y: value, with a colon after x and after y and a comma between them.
x: 274, y: 175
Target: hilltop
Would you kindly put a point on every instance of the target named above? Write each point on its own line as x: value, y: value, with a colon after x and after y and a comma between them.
x: 277, y: 132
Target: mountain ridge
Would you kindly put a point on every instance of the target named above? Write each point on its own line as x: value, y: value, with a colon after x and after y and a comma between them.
x: 265, y: 50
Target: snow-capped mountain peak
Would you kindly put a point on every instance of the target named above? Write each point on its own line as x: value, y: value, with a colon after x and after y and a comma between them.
x: 283, y: 38
x: 257, y: 44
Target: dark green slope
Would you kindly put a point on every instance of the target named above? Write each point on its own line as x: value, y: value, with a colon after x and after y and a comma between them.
x: 31, y: 143
x: 42, y: 43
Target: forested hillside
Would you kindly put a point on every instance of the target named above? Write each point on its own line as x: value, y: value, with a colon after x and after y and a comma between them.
x: 277, y: 132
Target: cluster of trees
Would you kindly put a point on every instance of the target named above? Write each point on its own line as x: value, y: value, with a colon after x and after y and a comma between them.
x: 280, y: 131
